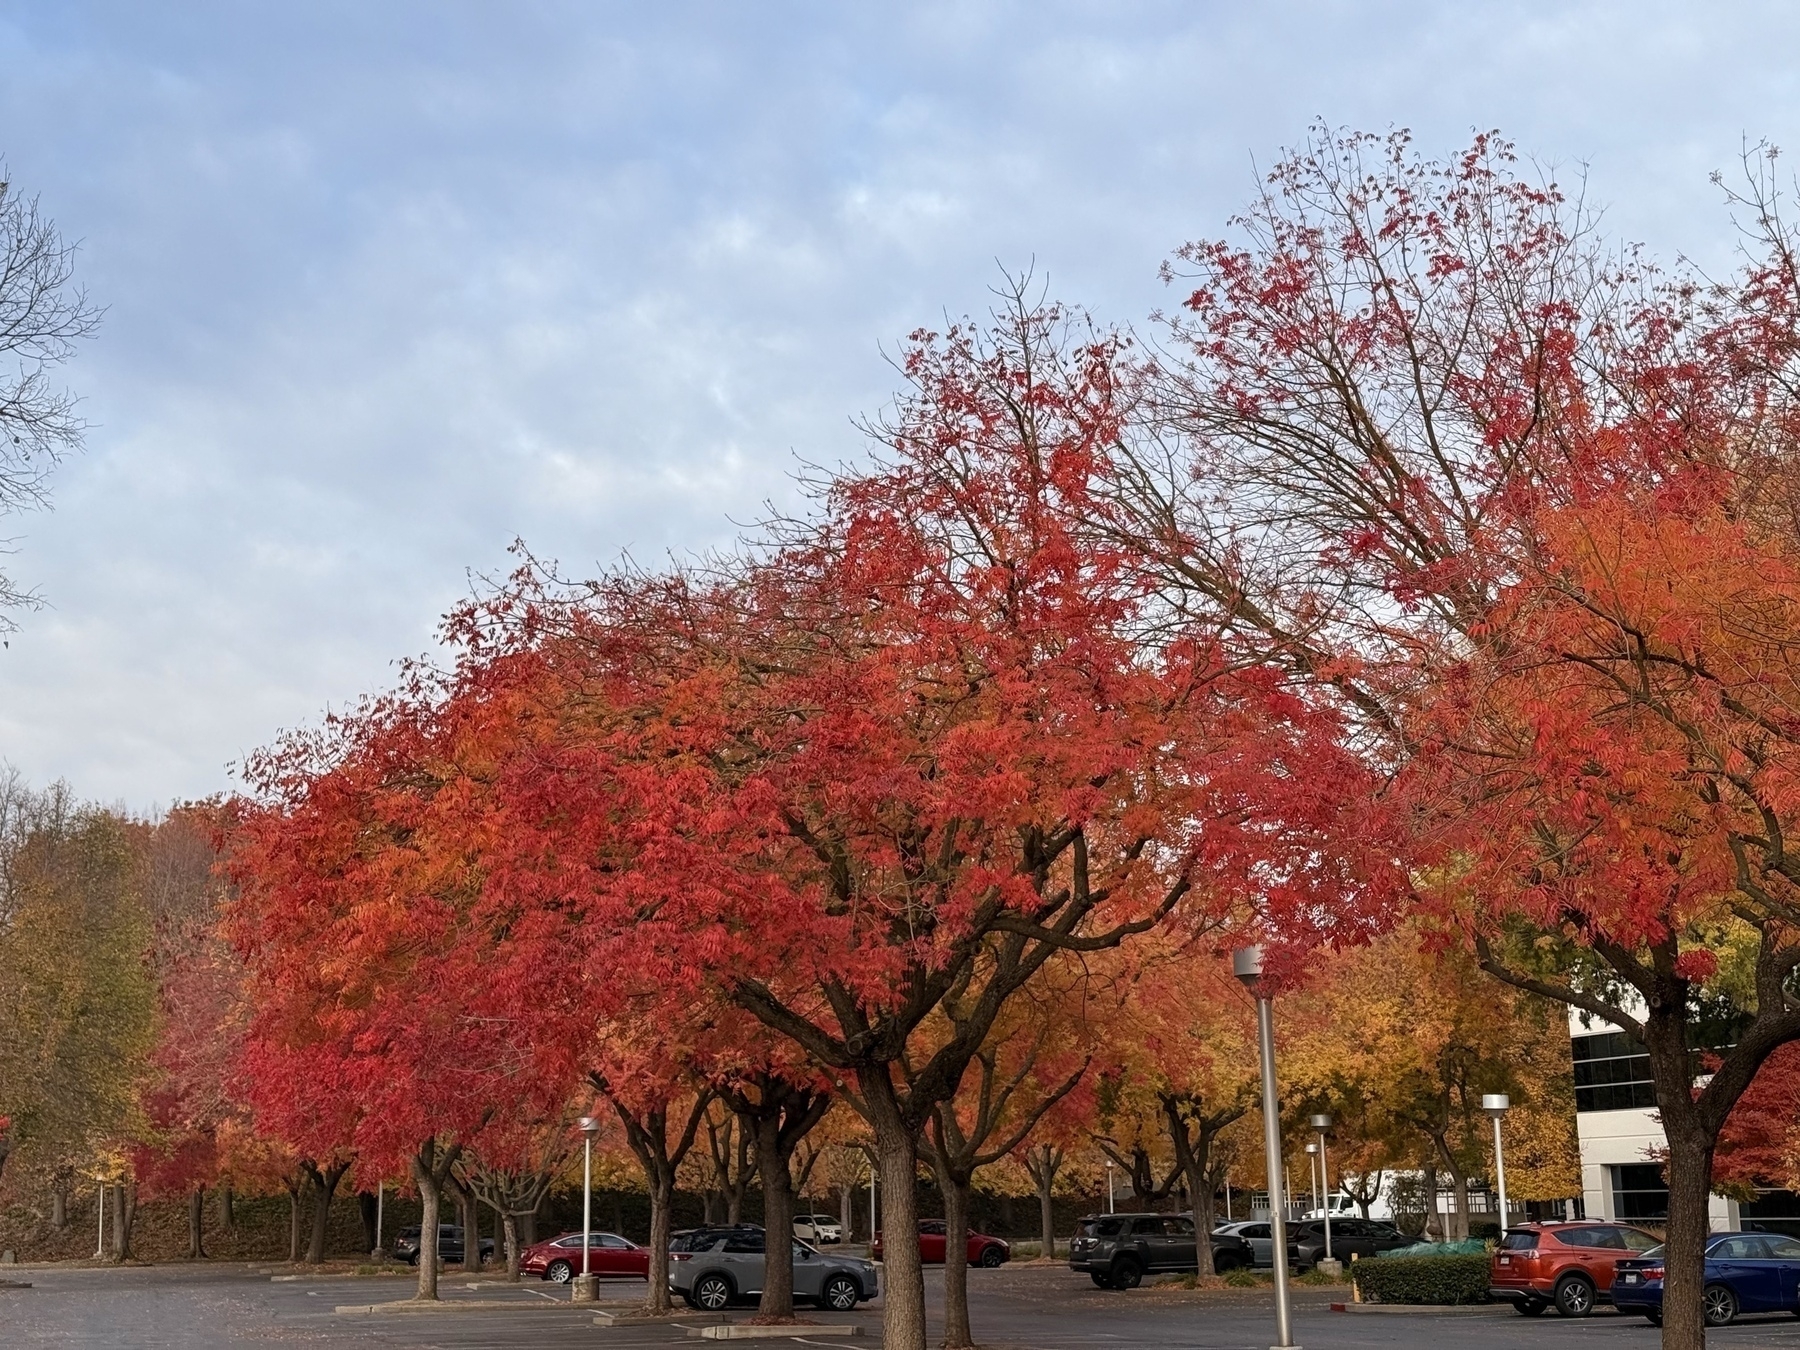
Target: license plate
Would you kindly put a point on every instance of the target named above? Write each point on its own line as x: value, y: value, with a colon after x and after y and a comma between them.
x: 1506, y: 1260
x: 1629, y: 1278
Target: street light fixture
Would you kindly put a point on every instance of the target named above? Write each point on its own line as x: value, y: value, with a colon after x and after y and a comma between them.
x: 1497, y: 1104
x: 1322, y: 1123
x: 1109, y: 1186
x: 1312, y: 1162
x: 1247, y: 965
x: 589, y: 1126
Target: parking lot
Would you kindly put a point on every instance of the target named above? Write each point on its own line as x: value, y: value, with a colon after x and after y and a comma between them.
x: 1046, y: 1308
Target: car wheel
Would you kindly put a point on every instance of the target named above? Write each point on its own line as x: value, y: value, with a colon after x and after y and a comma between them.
x: 560, y: 1272
x: 1101, y: 1278
x: 1575, y: 1297
x: 1127, y: 1274
x: 1718, y: 1305
x: 1654, y: 1316
x: 1224, y: 1261
x: 712, y: 1292
x: 413, y: 1260
x: 991, y: 1257
x: 1529, y: 1307
x: 840, y: 1294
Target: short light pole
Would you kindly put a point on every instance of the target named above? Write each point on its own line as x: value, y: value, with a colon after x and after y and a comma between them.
x: 100, y: 1238
x: 1322, y: 1123
x: 1312, y: 1163
x: 380, y: 1196
x: 1109, y: 1186
x: 1497, y: 1104
x: 585, y: 1289
x: 1247, y: 965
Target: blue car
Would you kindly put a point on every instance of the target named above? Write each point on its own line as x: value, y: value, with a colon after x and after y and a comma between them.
x: 1745, y: 1273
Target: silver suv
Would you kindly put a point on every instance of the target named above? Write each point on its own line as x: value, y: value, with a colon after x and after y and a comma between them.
x: 711, y: 1267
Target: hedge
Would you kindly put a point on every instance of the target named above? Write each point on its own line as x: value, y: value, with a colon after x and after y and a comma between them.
x: 1423, y: 1279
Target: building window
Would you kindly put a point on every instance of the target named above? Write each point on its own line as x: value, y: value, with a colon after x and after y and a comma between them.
x: 1639, y: 1192
x: 1773, y: 1212
x: 1612, y: 1073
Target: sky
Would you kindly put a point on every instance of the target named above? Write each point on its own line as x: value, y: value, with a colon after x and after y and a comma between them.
x: 389, y: 285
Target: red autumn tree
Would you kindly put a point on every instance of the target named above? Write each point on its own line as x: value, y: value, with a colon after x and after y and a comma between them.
x: 393, y: 989
x: 875, y: 777
x: 1435, y: 442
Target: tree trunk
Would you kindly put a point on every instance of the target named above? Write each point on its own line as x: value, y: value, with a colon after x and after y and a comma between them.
x: 1459, y: 1193
x: 778, y: 1221
x: 366, y: 1209
x: 528, y: 1225
x: 59, y: 1203
x: 662, y: 1201
x: 740, y: 1186
x: 847, y: 1209
x: 197, y: 1224
x: 293, y: 1191
x: 431, y: 1167
x: 897, y: 1149
x: 957, y: 1335
x: 1433, y: 1230
x: 124, y: 1198
x: 227, y: 1209
x: 509, y: 1228
x: 1043, y: 1162
x: 325, y: 1184
x: 470, y: 1219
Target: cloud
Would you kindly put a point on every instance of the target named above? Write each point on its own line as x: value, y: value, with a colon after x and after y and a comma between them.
x: 391, y: 285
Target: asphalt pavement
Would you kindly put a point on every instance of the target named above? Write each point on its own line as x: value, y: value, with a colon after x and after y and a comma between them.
x: 220, y: 1307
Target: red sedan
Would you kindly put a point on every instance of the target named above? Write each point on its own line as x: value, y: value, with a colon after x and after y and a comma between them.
x: 934, y: 1237
x: 559, y: 1259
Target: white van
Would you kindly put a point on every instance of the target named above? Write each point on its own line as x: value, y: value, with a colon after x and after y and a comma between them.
x: 1343, y: 1206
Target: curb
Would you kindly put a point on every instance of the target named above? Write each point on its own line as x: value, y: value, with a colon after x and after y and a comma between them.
x: 743, y: 1331
x: 1422, y: 1309
x: 451, y: 1305
x: 637, y: 1319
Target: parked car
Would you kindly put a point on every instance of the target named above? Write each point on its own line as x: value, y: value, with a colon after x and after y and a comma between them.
x: 818, y: 1228
x: 558, y: 1259
x: 450, y: 1244
x: 713, y: 1267
x: 1258, y: 1235
x: 1118, y: 1250
x: 1358, y: 1237
x: 1568, y: 1266
x: 934, y: 1243
x: 1745, y: 1272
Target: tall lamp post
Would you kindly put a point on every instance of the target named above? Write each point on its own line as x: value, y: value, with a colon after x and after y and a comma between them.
x: 1247, y: 965
x: 1497, y: 1104
x: 1109, y: 1188
x: 586, y: 1289
x: 1322, y: 1123
x: 1312, y: 1165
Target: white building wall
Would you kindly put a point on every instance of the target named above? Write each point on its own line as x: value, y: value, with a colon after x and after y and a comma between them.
x: 1609, y: 1139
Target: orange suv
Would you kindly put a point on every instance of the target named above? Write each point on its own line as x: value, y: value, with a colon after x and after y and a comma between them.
x: 1567, y: 1266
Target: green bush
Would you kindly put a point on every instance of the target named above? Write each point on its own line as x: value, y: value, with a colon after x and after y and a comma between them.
x: 1423, y: 1279
x: 1244, y: 1279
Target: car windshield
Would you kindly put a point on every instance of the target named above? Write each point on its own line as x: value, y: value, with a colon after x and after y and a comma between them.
x: 1519, y: 1240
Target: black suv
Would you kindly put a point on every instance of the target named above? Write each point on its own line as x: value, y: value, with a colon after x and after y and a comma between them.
x: 1362, y: 1238
x: 1118, y: 1250
x: 450, y: 1244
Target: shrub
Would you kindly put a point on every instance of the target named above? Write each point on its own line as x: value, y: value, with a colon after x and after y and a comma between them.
x: 1423, y: 1279
x: 1243, y: 1279
x: 1484, y: 1229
